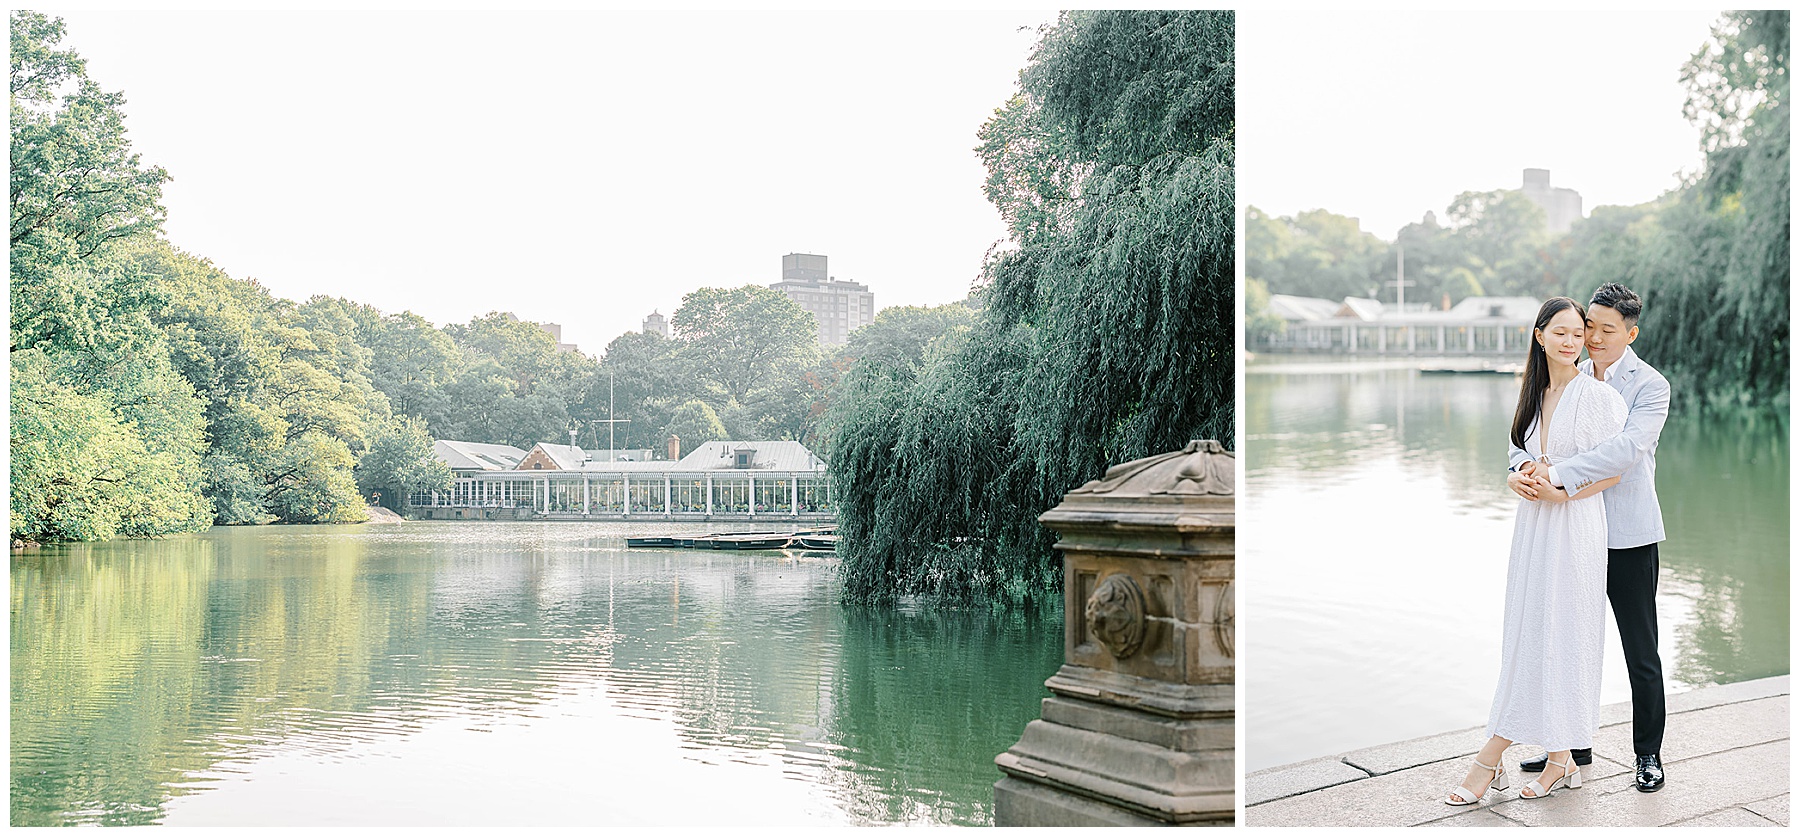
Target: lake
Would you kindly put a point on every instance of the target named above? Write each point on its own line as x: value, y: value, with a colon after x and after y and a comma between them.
x: 1375, y: 525
x: 466, y: 673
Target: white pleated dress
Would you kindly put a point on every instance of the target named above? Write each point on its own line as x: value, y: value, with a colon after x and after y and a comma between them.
x: 1554, y: 635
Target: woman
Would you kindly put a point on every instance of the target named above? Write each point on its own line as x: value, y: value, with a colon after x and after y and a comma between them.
x: 1551, y: 645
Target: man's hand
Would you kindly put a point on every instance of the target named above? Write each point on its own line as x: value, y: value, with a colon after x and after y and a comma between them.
x: 1522, y: 483
x: 1549, y: 493
x: 1529, y: 467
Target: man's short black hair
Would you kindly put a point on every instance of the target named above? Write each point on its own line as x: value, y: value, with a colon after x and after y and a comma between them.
x: 1619, y: 298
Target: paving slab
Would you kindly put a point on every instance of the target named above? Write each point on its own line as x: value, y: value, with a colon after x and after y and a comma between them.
x: 1711, y: 783
x: 1710, y: 696
x: 1726, y: 752
x: 1715, y: 730
x: 1265, y: 785
x: 1387, y: 758
x: 1413, y: 796
x: 1774, y: 809
x: 1478, y: 819
x: 1729, y: 818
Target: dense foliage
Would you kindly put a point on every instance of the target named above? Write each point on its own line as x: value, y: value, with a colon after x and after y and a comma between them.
x: 152, y: 393
x: 1710, y: 258
x: 1107, y: 327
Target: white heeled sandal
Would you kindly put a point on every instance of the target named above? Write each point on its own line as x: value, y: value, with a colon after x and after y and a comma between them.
x: 1571, y: 778
x: 1470, y: 797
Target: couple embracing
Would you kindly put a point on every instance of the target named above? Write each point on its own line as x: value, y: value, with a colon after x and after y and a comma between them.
x: 1584, y: 461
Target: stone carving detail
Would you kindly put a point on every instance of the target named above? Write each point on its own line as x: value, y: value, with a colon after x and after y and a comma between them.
x: 1225, y: 620
x: 1208, y: 470
x: 1204, y: 467
x: 1115, y: 615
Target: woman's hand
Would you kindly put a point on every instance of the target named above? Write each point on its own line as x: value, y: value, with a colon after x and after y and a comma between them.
x: 1521, y: 482
x: 1547, y: 492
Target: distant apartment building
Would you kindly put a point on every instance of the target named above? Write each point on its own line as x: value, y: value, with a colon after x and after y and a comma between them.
x: 656, y: 323
x: 1562, y: 207
x: 555, y: 332
x: 841, y: 307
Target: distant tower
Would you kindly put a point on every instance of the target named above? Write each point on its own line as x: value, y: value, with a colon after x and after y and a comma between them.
x: 1562, y: 207
x: 555, y: 332
x: 656, y: 324
x: 841, y: 307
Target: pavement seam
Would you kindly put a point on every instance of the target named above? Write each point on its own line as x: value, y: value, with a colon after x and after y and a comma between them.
x: 1319, y: 788
x: 1723, y: 810
x: 1710, y: 706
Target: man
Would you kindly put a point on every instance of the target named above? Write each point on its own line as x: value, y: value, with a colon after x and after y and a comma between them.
x: 1633, y: 516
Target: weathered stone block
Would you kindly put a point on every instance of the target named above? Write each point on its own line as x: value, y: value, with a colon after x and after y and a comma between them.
x: 1140, y: 729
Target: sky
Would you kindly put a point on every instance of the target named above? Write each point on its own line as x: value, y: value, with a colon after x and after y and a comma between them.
x: 582, y: 168
x: 1383, y: 116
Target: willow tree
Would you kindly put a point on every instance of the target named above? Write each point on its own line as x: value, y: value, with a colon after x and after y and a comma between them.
x: 1107, y: 330
x: 1734, y: 221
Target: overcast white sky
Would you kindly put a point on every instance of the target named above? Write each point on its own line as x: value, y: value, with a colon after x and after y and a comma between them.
x: 1385, y: 115
x: 580, y: 168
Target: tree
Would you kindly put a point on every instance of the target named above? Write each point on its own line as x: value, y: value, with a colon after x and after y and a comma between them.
x: 734, y: 338
x: 79, y: 472
x: 1505, y: 233
x: 400, y: 461
x: 644, y: 377
x: 897, y: 337
x: 77, y: 187
x: 1260, y: 325
x: 1108, y: 330
x: 696, y: 424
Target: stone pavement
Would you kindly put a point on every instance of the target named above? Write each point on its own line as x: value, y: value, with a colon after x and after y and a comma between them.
x: 1725, y: 753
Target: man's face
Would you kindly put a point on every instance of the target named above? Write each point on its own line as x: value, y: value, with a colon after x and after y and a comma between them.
x: 1607, y: 334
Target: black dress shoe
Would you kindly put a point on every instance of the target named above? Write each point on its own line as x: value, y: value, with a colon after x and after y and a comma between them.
x: 1583, y: 758
x: 1649, y: 773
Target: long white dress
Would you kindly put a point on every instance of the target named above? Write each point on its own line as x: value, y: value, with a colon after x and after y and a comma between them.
x: 1555, y: 630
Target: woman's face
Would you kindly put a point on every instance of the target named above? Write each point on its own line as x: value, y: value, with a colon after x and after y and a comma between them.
x: 1563, y: 337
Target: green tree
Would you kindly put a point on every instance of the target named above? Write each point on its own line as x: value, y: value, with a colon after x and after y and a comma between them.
x: 696, y: 424
x: 105, y: 435
x: 1108, y: 328
x: 1507, y: 234
x: 400, y: 461
x: 1260, y: 325
x: 898, y: 336
x: 644, y: 377
x: 733, y: 339
x: 77, y: 187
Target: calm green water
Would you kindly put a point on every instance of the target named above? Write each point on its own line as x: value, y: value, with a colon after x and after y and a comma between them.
x: 497, y: 673
x: 1376, y: 524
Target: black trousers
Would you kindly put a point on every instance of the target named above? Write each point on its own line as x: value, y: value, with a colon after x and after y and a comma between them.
x: 1631, y: 587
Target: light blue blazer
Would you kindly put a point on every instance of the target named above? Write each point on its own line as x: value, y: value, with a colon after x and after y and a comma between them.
x: 1633, y: 515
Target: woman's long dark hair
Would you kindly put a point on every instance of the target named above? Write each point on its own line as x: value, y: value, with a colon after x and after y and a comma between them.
x: 1537, y: 369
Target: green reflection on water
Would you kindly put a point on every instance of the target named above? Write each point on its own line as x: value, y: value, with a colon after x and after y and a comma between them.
x: 143, y: 671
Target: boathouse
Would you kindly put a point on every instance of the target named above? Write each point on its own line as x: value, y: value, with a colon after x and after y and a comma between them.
x: 1475, y: 326
x: 727, y: 480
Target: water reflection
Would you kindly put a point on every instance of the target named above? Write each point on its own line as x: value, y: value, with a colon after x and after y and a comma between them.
x: 1377, y: 524
x: 276, y: 676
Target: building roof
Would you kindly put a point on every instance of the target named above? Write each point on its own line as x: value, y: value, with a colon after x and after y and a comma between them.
x: 1293, y: 308
x: 1505, y: 307
x: 1359, y: 308
x: 566, y: 457
x: 603, y: 457
x: 770, y: 455
x: 476, y: 456
x: 712, y: 456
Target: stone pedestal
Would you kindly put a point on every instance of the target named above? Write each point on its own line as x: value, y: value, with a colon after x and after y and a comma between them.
x: 1139, y: 728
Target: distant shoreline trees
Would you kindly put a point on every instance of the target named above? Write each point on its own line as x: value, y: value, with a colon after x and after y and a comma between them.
x: 154, y: 394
